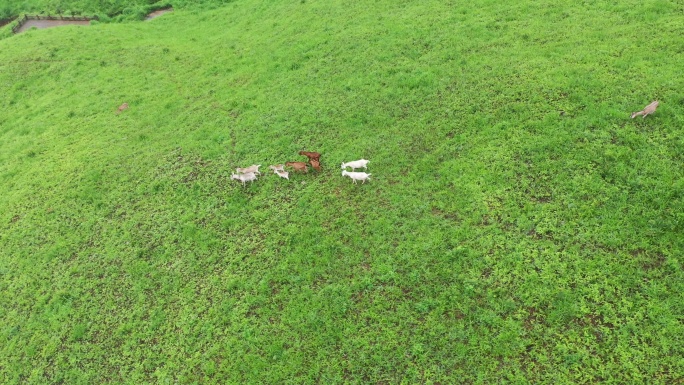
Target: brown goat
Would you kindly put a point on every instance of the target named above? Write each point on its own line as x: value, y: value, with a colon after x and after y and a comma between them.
x: 311, y: 155
x: 298, y: 166
x: 121, y: 108
x: 315, y: 164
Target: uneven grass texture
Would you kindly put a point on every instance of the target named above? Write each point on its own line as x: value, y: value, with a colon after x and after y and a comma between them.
x: 519, y: 227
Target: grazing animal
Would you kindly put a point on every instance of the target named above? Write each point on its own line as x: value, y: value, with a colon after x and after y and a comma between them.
x: 253, y: 169
x: 648, y: 110
x: 277, y: 167
x: 315, y: 164
x: 356, y: 176
x: 248, y: 177
x: 283, y: 174
x: 311, y: 155
x: 122, y: 108
x: 298, y: 166
x: 356, y: 164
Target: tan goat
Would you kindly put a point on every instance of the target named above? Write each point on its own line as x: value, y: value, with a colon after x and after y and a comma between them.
x: 648, y: 110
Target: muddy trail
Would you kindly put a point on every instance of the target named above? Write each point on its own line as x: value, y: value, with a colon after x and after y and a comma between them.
x: 40, y: 24
x: 158, y: 13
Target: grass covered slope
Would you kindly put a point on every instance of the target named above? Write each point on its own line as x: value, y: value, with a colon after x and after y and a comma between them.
x: 499, y: 241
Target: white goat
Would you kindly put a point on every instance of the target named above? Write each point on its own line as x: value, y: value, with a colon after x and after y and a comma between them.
x: 277, y: 167
x: 356, y: 164
x: 283, y: 174
x: 357, y: 176
x: 253, y: 169
x: 248, y: 177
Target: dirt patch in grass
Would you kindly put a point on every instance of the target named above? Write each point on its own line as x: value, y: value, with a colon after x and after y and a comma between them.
x: 40, y: 24
x: 158, y: 13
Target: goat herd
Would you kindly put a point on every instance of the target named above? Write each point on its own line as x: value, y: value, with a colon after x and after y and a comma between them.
x: 249, y: 174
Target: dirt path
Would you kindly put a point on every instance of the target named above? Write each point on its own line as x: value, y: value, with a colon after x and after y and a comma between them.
x: 158, y: 13
x: 40, y: 24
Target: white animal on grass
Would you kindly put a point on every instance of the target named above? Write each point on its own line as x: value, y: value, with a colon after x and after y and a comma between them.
x: 253, y: 168
x: 356, y: 164
x: 283, y: 174
x: 647, y: 110
x: 357, y: 176
x: 277, y: 167
x: 248, y: 177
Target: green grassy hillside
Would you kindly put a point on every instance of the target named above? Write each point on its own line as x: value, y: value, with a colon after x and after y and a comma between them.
x: 519, y: 227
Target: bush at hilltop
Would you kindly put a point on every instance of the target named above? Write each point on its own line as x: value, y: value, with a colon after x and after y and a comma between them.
x: 122, y: 9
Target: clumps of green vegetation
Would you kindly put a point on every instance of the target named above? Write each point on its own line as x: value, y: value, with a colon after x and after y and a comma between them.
x: 112, y: 10
x: 519, y: 228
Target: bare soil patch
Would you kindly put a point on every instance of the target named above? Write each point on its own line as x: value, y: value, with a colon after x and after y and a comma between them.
x: 40, y: 24
x: 158, y: 13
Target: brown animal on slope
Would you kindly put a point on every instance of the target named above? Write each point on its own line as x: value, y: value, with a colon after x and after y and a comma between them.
x: 298, y: 166
x: 647, y: 110
x: 316, y: 164
x: 122, y: 108
x: 311, y: 155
